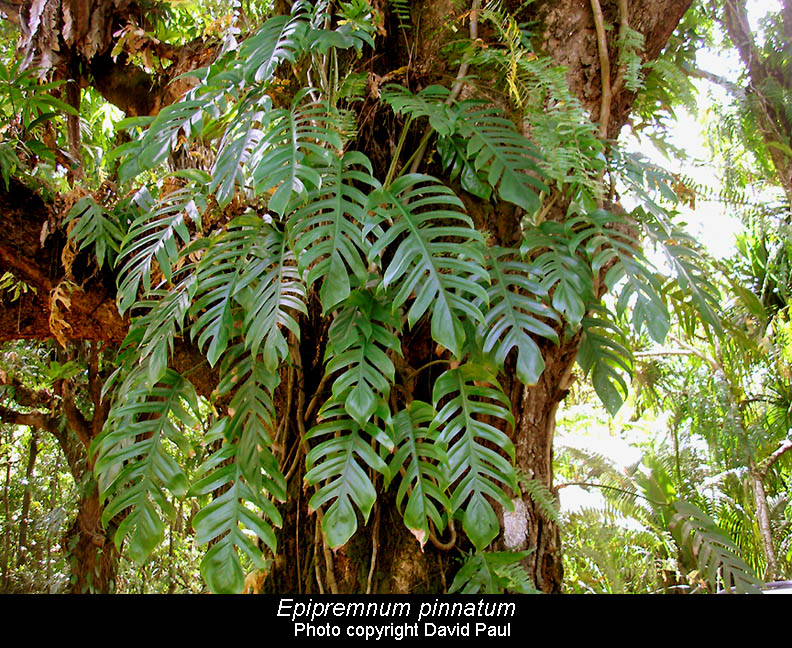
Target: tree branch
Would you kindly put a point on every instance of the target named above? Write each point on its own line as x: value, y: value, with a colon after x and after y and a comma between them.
x: 697, y: 73
x: 25, y: 396
x: 784, y: 447
x: 36, y: 419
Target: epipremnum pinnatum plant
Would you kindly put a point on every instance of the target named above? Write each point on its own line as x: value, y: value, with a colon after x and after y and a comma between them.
x: 284, y: 210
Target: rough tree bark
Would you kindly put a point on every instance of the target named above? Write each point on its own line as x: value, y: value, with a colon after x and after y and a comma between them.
x: 563, y: 30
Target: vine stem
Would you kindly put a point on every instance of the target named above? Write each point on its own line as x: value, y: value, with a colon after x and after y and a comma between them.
x: 458, y: 85
x: 328, y: 556
x: 624, y: 25
x: 397, y: 153
x: 444, y: 546
x: 426, y: 366
x: 315, y: 400
x: 602, y: 48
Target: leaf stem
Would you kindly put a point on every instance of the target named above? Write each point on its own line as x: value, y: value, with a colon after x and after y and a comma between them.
x: 397, y: 153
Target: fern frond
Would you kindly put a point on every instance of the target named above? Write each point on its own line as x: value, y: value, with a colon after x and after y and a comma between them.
x: 717, y: 556
x: 542, y: 497
x: 493, y: 572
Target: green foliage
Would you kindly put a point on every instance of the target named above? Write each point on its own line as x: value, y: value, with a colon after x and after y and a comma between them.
x: 153, y: 238
x: 493, y: 572
x: 475, y: 469
x: 439, y: 262
x: 93, y: 228
x: 542, y: 497
x: 347, y: 482
x: 423, y: 458
x: 359, y: 339
x: 604, y: 357
x: 135, y: 462
x: 515, y: 313
x: 287, y: 227
x: 328, y: 228
x: 241, y: 506
x: 717, y: 555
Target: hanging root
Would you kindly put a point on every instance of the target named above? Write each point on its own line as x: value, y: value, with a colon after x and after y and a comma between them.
x: 374, y: 546
x: 328, y: 555
x: 444, y: 546
x: 317, y: 542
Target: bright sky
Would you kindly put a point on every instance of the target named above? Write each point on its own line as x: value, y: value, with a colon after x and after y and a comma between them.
x: 710, y: 221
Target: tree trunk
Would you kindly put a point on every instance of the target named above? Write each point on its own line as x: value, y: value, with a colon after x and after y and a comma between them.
x: 567, y: 33
x: 7, y: 519
x: 26, y: 497
x: 92, y: 553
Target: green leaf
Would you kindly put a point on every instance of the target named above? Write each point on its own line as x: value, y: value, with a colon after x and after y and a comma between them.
x: 423, y: 459
x: 327, y: 230
x: 359, y: 339
x: 605, y: 357
x: 280, y: 161
x: 515, y: 313
x: 230, y: 519
x: 252, y: 413
x: 435, y: 257
x: 429, y: 102
x: 718, y: 557
x: 153, y: 238
x: 276, y: 41
x: 337, y: 463
x: 613, y: 244
x: 508, y: 157
x: 272, y: 295
x: 493, y: 572
x: 476, y: 470
x: 92, y: 227
x: 134, y: 463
